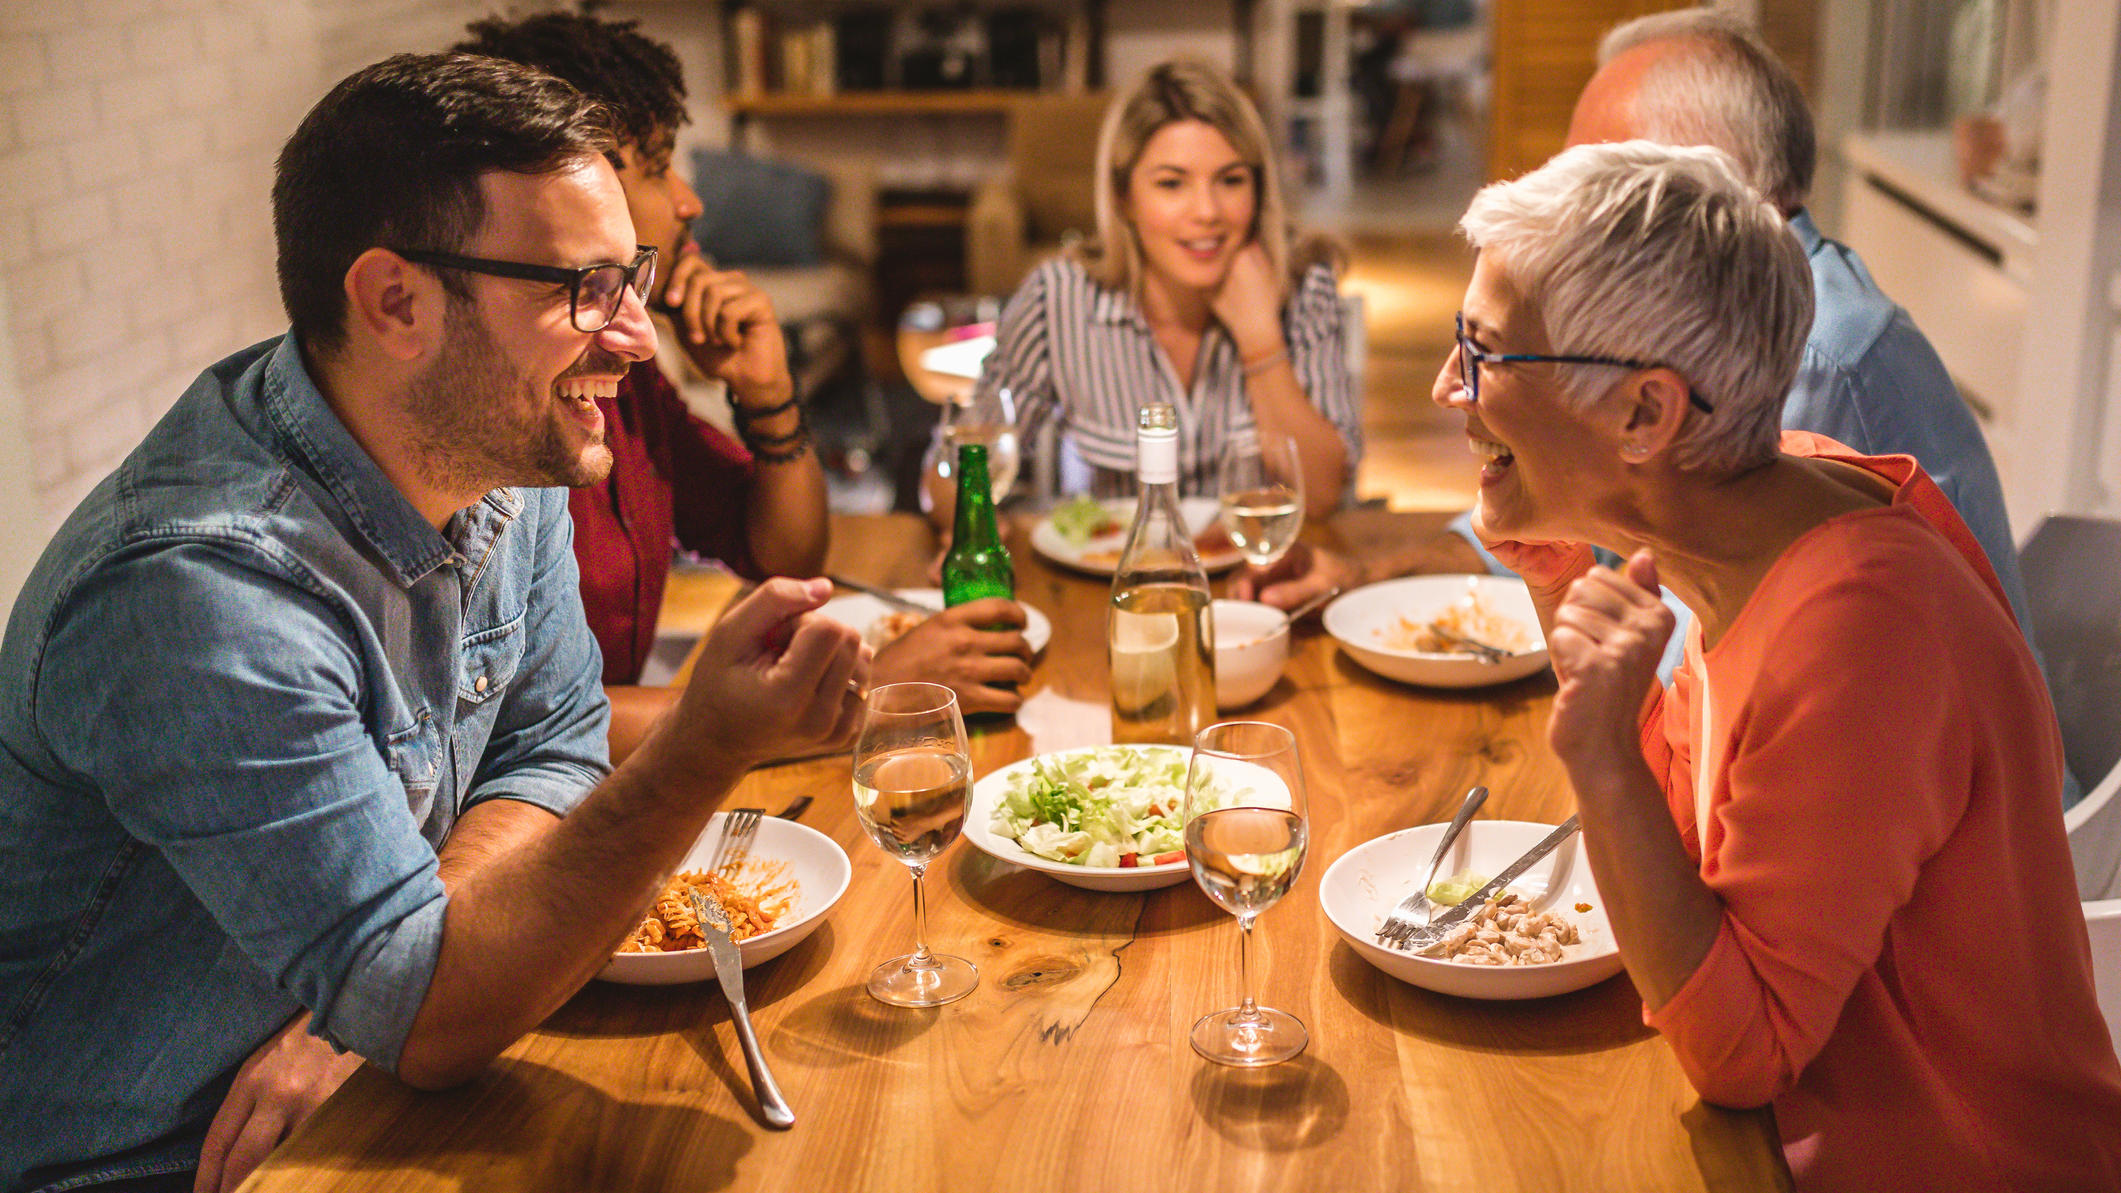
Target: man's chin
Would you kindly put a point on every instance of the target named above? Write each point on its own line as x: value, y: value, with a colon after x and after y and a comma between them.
x: 591, y: 469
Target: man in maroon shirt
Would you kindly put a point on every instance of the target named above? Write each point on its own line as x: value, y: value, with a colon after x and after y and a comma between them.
x: 757, y: 505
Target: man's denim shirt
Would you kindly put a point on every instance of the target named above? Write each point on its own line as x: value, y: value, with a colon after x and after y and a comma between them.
x: 243, y: 697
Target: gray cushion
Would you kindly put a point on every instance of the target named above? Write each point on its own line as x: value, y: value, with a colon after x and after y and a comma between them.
x: 758, y: 211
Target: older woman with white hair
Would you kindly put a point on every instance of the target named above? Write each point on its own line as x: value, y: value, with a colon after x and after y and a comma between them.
x: 1830, y: 851
x: 1192, y: 292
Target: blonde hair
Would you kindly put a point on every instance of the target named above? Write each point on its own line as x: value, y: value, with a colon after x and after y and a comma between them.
x: 1171, y: 92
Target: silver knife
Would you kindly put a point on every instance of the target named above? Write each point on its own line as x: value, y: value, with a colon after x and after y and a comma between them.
x: 729, y: 971
x: 885, y: 595
x: 1426, y: 937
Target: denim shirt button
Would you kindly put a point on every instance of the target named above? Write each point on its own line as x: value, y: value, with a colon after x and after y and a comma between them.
x: 480, y: 684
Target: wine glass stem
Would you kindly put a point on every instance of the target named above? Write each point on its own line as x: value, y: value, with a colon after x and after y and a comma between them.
x: 1247, y: 1011
x: 922, y: 958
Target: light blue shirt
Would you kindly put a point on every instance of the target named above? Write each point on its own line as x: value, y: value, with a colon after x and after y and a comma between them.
x: 244, y: 696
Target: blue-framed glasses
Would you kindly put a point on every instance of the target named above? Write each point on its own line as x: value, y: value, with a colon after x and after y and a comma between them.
x: 1470, y: 358
x: 594, y: 292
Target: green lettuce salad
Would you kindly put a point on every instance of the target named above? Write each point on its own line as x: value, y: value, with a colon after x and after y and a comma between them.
x: 1115, y: 806
x: 1082, y: 518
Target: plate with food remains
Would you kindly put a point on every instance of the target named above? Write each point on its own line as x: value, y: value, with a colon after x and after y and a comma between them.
x: 1088, y: 534
x: 776, y: 897
x: 1544, y: 934
x: 881, y: 624
x: 1404, y: 629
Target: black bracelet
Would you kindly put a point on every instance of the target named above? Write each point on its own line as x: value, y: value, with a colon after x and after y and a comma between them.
x: 789, y: 456
x: 757, y: 439
x: 745, y: 414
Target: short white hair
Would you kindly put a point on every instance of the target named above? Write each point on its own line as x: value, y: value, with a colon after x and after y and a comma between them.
x: 1721, y: 85
x: 1660, y: 253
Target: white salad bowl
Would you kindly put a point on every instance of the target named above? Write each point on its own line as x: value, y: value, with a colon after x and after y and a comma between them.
x: 821, y: 873
x: 987, y: 793
x: 1363, y: 885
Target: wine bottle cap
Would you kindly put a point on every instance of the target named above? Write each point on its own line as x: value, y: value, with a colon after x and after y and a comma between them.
x: 1156, y: 445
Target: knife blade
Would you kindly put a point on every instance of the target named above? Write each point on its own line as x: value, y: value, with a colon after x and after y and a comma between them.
x: 729, y: 971
x: 1427, y: 937
x: 885, y: 595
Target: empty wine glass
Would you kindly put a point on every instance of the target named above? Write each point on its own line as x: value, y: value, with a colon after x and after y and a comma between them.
x: 1245, y: 839
x: 912, y: 776
x: 1262, y: 495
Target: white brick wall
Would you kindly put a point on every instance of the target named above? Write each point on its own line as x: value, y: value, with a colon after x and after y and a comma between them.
x: 136, y: 148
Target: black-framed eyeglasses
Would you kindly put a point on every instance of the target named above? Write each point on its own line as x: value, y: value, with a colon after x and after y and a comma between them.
x: 594, y: 292
x: 1470, y: 358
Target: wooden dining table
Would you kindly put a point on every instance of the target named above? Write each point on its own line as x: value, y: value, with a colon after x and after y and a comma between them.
x: 1069, y: 1067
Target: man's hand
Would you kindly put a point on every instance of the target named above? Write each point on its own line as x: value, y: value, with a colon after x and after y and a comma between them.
x: 1607, y: 638
x: 282, y: 1083
x: 972, y: 649
x: 1304, y: 572
x: 728, y: 327
x: 773, y: 680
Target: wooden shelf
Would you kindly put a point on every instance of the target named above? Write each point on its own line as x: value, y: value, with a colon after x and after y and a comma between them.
x: 878, y: 103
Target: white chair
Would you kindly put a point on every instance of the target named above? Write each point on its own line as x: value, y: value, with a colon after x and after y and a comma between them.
x: 2072, y: 570
x: 2102, y: 920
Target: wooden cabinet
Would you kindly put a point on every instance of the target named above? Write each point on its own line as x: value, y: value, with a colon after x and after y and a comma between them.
x: 1544, y: 52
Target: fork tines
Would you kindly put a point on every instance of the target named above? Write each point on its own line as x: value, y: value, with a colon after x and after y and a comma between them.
x: 1401, y: 924
x: 739, y: 828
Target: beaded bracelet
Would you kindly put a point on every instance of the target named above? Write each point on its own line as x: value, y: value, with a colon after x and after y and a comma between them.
x: 757, y: 439
x: 789, y: 456
x: 745, y: 414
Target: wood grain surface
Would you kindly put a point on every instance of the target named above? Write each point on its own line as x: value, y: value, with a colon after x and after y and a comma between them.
x: 1068, y: 1068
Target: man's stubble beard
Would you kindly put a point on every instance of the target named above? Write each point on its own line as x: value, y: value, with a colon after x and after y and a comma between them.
x: 473, y: 426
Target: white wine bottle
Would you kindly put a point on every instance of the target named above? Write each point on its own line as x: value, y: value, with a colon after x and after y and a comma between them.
x: 1160, y: 638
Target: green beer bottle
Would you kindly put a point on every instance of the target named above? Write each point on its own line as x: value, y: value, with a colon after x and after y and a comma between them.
x: 978, y: 564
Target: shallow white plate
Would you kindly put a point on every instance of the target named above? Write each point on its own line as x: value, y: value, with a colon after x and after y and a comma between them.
x: 859, y: 609
x: 1100, y: 555
x: 979, y: 816
x: 1363, y: 620
x: 821, y: 872
x: 1364, y: 884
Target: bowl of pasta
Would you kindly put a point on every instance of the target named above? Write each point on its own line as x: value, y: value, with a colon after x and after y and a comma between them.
x: 1413, y: 629
x: 776, y: 897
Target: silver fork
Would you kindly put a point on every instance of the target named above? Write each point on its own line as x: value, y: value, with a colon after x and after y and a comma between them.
x: 740, y: 827
x: 1401, y: 921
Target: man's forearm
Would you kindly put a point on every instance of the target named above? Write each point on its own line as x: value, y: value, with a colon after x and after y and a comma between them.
x: 535, y: 910
x: 786, y: 523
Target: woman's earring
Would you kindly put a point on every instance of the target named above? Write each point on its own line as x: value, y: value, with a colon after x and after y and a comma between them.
x: 1635, y: 451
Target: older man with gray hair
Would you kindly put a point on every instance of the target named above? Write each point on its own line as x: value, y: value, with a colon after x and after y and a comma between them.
x: 1829, y: 851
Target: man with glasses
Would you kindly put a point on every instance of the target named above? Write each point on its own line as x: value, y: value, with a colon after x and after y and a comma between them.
x: 301, y: 735
x: 759, y: 507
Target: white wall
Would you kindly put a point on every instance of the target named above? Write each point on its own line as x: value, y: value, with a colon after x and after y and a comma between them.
x: 136, y: 148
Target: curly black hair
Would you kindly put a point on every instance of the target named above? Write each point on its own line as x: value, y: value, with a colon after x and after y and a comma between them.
x: 636, y: 77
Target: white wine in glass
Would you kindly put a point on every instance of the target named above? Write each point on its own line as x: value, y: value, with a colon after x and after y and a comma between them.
x: 1262, y: 495
x: 1246, y: 832
x: 912, y: 777
x: 988, y: 419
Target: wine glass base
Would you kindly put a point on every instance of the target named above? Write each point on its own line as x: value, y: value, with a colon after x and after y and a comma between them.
x: 1268, y: 1039
x: 901, y: 983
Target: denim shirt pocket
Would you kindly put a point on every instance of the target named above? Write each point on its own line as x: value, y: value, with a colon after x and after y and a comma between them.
x: 414, y: 754
x: 490, y: 659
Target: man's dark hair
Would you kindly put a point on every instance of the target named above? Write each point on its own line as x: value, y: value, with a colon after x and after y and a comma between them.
x: 635, y: 76
x: 392, y: 157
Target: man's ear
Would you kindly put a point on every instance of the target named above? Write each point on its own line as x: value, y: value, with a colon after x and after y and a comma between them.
x: 1656, y: 409
x: 398, y: 305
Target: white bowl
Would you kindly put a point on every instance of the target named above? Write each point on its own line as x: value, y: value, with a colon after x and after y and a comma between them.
x: 821, y: 872
x: 1364, y: 620
x: 858, y: 610
x: 1251, y: 647
x: 979, y: 817
x: 1363, y: 885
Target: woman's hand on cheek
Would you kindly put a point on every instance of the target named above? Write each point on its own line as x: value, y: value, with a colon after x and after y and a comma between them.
x: 1247, y: 305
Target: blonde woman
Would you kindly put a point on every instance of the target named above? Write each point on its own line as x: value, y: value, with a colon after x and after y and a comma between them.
x: 1190, y: 293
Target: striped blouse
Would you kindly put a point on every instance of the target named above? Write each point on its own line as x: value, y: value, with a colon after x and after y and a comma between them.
x: 1071, y: 349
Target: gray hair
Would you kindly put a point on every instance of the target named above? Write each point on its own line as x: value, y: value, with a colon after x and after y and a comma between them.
x: 1722, y: 86
x: 1658, y: 252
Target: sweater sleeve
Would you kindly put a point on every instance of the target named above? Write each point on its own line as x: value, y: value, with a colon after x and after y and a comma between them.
x: 1846, y: 762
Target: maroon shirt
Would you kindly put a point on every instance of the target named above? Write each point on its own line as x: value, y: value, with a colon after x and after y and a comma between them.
x: 674, y: 478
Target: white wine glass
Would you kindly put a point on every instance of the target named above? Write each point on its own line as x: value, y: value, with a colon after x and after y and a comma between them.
x: 1262, y: 490
x: 986, y: 418
x: 912, y: 776
x: 1246, y: 830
